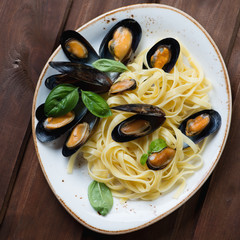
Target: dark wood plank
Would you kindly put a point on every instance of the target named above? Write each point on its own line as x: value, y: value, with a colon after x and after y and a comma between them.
x: 219, y: 217
x: 85, y: 10
x: 234, y: 66
x: 34, y: 212
x: 23, y: 205
x: 28, y: 32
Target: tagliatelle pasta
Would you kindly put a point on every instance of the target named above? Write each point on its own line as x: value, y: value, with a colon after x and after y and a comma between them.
x: 179, y: 93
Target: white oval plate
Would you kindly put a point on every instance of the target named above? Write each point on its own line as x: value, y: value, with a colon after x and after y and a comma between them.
x: 157, y: 21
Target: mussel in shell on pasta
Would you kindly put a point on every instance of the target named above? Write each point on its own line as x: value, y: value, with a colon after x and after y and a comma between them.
x: 77, y: 48
x: 159, y: 160
x: 121, y: 41
x: 147, y: 120
x: 200, y: 125
x: 163, y: 54
x: 79, y: 134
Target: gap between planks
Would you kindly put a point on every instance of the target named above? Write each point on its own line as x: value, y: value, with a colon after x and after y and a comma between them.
x: 233, y: 39
x: 28, y: 132
x: 15, y: 171
x: 227, y: 59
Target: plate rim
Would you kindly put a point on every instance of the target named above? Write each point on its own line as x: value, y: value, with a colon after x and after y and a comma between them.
x: 229, y: 104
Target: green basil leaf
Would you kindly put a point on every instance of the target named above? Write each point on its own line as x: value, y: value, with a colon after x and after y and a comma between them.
x: 157, y: 145
x: 100, y: 197
x: 144, y: 158
x: 61, y: 100
x: 96, y: 104
x: 108, y: 65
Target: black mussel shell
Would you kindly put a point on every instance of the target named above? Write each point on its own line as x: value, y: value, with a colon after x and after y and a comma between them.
x: 57, y: 79
x: 136, y: 31
x: 44, y: 135
x: 83, y: 73
x: 155, y: 123
x: 72, y: 35
x: 113, y: 76
x: 213, y: 126
x: 143, y: 109
x: 92, y: 121
x: 40, y: 112
x: 150, y: 113
x: 174, y: 47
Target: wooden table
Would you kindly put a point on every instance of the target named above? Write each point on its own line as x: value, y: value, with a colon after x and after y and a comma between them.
x: 30, y: 31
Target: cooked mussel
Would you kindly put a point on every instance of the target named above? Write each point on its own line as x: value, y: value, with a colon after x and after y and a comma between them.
x: 163, y: 54
x: 57, y: 79
x: 79, y: 134
x: 159, y: 160
x: 123, y: 85
x: 121, y: 41
x: 77, y: 48
x: 197, y: 125
x: 200, y: 125
x: 86, y: 75
x: 147, y: 120
x: 136, y: 126
x: 49, y: 129
x: 53, y: 123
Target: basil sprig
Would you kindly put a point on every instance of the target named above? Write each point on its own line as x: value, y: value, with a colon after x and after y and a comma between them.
x: 155, y: 146
x: 108, y: 65
x: 100, y: 197
x: 144, y: 158
x: 96, y: 104
x: 61, y: 100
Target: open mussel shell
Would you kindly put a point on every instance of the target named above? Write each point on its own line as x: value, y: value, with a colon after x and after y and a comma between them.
x: 123, y: 85
x: 172, y: 46
x: 135, y: 32
x: 57, y: 79
x: 83, y: 73
x: 91, y: 121
x: 147, y: 120
x: 153, y: 124
x: 44, y: 135
x: 160, y: 160
x: 77, y: 48
x: 213, y: 125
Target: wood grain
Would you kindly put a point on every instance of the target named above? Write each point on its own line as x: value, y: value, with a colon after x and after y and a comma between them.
x: 220, y: 213
x: 234, y: 68
x: 28, y: 33
x: 218, y: 17
x: 34, y: 212
x: 84, y: 11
